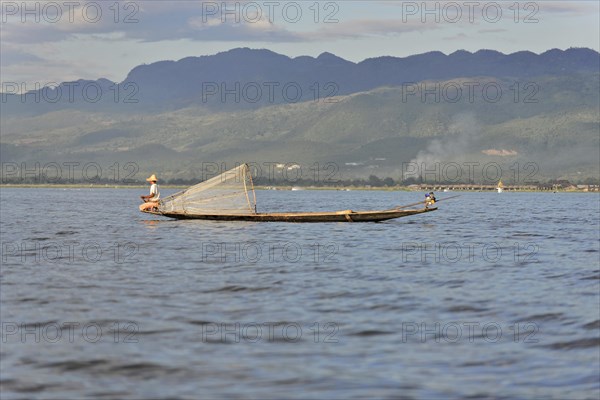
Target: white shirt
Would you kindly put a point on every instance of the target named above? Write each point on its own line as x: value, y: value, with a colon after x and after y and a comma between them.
x: 154, y: 192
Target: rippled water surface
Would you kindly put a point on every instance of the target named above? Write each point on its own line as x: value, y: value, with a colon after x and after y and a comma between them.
x: 493, y: 295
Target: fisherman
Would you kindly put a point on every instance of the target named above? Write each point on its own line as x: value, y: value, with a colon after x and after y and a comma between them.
x: 151, y: 200
x: 429, y: 199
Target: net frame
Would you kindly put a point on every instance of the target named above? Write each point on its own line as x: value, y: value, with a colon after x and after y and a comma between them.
x: 229, y: 188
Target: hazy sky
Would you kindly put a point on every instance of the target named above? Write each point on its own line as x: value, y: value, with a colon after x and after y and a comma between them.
x: 47, y: 41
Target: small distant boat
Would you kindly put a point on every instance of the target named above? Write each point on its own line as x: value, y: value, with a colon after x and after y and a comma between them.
x: 500, y: 186
x: 446, y: 190
x: 296, y: 188
x: 231, y: 197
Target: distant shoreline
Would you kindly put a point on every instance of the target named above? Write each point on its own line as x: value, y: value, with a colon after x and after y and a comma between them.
x: 284, y: 188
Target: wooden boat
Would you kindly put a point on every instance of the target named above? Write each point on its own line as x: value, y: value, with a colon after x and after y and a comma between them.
x: 337, y: 216
x: 230, y: 196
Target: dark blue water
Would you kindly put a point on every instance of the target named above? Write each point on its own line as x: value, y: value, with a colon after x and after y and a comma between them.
x: 494, y: 295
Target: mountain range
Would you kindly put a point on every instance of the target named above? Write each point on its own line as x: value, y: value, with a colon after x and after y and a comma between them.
x: 369, y: 117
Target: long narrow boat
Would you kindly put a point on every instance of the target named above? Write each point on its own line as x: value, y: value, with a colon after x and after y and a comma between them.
x: 230, y: 196
x: 337, y: 216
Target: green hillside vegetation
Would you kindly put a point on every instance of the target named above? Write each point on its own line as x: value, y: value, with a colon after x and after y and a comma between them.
x: 366, y: 133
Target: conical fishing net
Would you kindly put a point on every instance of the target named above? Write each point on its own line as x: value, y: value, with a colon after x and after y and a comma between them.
x: 232, y: 192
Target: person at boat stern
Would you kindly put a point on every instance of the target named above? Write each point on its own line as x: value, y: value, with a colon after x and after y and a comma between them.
x: 429, y: 199
x: 151, y: 200
x: 432, y: 198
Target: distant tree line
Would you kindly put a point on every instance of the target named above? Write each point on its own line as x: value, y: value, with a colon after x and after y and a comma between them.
x: 371, y: 181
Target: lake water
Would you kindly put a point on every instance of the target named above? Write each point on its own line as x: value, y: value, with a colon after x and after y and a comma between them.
x: 493, y: 295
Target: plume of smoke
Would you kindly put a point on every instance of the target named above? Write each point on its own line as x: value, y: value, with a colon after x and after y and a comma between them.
x: 462, y: 135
